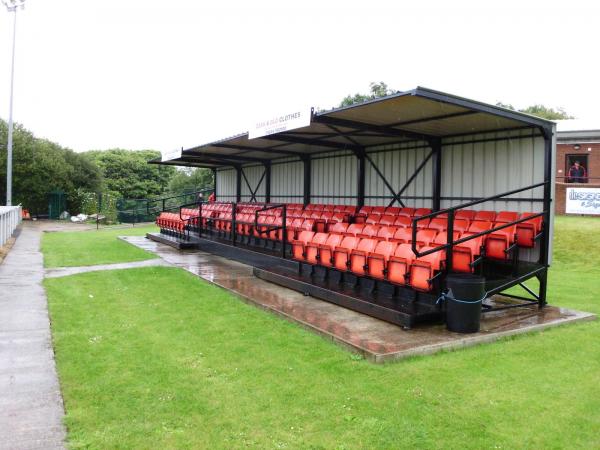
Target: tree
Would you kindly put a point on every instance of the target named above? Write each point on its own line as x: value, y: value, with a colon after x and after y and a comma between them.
x: 128, y: 172
x: 541, y: 111
x: 190, y: 180
x: 377, y: 90
x: 41, y: 166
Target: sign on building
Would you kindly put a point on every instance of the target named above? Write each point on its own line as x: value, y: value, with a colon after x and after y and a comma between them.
x: 583, y: 201
x: 280, y: 122
x: 169, y: 155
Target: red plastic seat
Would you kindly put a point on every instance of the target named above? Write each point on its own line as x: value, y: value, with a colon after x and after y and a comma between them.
x: 393, y: 210
x: 378, y: 210
x: 373, y: 218
x: 293, y: 228
x: 325, y: 254
x: 369, y: 230
x: 489, y: 216
x: 423, y: 223
x: 424, y: 268
x: 399, y: 264
x: 402, y: 235
x: 354, y: 229
x: 321, y: 222
x: 377, y: 261
x: 497, y: 242
x: 358, y: 256
x: 339, y: 227
x: 387, y: 219
x: 260, y: 231
x: 365, y: 210
x: 298, y: 244
x: 406, y: 211
x: 350, y: 209
x: 329, y: 208
x: 442, y: 237
x: 403, y: 221
x: 461, y: 225
x: 528, y: 230
x: 386, y: 233
x: 421, y: 212
x: 311, y: 249
x: 438, y: 224
x: 468, y: 214
x: 507, y: 216
x: 479, y: 225
x: 341, y: 253
x: 465, y: 253
x: 426, y: 236
x: 315, y: 214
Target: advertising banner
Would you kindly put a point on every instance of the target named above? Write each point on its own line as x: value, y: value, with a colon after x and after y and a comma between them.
x: 583, y: 201
x: 169, y: 155
x: 280, y: 122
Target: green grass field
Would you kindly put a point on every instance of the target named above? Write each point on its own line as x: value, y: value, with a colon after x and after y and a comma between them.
x: 87, y: 248
x: 157, y: 358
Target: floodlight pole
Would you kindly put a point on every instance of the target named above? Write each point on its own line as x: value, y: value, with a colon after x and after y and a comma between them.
x: 11, y: 7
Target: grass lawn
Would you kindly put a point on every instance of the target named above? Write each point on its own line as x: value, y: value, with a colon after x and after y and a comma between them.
x: 86, y: 248
x: 157, y: 358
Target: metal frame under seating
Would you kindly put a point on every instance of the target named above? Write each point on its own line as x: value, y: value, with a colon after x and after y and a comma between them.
x: 397, y: 304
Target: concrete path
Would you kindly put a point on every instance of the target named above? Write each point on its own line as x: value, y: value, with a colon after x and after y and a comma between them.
x: 66, y: 271
x: 31, y: 407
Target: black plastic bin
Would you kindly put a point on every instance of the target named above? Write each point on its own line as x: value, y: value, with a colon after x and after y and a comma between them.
x: 465, y: 294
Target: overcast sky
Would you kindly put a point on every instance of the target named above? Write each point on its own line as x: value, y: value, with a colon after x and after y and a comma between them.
x: 97, y: 74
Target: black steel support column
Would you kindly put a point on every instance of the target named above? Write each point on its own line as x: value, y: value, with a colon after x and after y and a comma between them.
x: 268, y: 182
x: 436, y: 192
x: 307, y: 179
x: 360, y: 179
x: 214, y: 172
x: 545, y: 240
x: 238, y: 184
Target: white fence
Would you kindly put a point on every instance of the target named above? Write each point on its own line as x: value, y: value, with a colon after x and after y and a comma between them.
x: 10, y: 217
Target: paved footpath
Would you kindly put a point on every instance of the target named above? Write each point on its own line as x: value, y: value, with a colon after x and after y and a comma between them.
x: 31, y: 407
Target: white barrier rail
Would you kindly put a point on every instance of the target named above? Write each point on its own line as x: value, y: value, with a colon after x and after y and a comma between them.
x: 10, y: 218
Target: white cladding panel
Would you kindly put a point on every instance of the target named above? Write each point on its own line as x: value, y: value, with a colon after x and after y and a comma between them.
x: 333, y: 180
x: 287, y: 182
x: 473, y: 170
x: 397, y: 163
x: 254, y: 176
x: 226, y: 185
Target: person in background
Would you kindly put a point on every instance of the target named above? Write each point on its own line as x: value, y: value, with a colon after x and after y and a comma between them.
x: 577, y: 173
x: 211, y: 197
x: 199, y: 197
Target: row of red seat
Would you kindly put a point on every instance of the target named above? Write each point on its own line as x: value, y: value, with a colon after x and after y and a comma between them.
x: 386, y: 224
x: 378, y: 259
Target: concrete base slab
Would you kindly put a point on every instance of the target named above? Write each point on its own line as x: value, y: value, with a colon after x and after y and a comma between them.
x: 378, y: 341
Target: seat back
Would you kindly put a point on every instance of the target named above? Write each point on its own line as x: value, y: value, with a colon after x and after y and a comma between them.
x: 387, y: 219
x: 402, y: 235
x: 355, y: 228
x: 507, y: 216
x: 489, y: 216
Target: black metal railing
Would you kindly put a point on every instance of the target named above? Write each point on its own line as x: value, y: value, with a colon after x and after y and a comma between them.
x: 450, y: 212
x: 272, y: 227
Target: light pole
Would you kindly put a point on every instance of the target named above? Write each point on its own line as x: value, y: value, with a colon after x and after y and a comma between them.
x: 11, y: 7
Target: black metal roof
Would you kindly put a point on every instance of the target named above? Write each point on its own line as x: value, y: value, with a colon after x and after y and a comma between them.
x: 418, y: 115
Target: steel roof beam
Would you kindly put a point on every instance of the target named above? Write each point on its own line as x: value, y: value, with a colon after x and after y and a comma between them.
x: 315, y: 142
x: 258, y: 149
x: 383, y: 129
x: 230, y: 157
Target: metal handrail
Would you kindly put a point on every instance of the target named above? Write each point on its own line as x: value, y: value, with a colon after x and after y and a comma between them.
x: 272, y: 227
x: 451, y: 243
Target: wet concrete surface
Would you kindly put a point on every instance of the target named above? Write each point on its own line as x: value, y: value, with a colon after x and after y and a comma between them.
x: 377, y: 340
x: 31, y: 407
x: 66, y: 271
